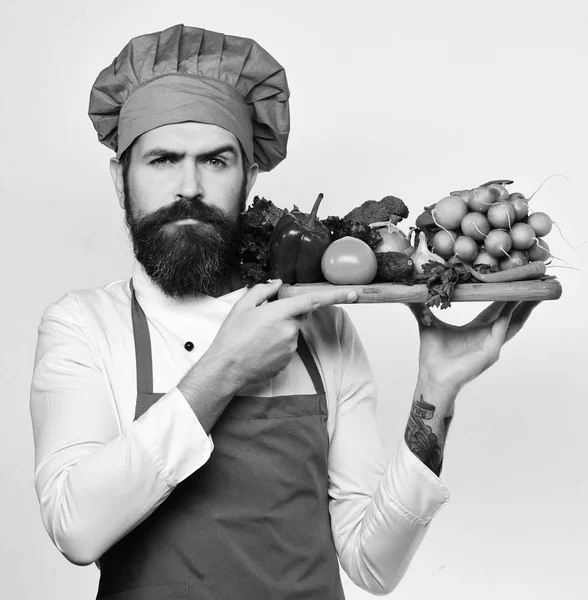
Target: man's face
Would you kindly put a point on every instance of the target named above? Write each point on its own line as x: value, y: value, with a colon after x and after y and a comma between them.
x: 184, y: 192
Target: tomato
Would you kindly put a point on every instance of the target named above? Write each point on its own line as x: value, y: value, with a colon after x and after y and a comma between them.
x: 349, y: 261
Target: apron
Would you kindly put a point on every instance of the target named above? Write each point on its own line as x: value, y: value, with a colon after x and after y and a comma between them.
x: 253, y: 522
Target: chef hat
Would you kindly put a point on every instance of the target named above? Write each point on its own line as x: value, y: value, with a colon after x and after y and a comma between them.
x: 190, y: 74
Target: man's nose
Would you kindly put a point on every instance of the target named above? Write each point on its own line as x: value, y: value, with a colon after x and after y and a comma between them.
x: 190, y: 181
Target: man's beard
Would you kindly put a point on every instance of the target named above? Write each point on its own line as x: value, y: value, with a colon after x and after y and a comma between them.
x: 188, y: 260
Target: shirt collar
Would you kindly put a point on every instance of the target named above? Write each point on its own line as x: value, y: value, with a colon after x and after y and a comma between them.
x: 148, y: 291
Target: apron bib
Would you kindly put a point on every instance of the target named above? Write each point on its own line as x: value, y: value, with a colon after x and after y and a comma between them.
x: 253, y: 522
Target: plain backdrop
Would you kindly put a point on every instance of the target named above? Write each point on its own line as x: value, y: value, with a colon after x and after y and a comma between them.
x: 413, y: 99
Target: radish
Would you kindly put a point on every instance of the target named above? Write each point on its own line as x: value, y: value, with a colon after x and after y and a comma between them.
x: 475, y: 225
x: 465, y: 195
x: 484, y: 258
x: 482, y: 198
x: 520, y: 204
x: 465, y: 248
x: 498, y: 243
x: 449, y: 212
x: 501, y: 215
x: 523, y: 236
x: 443, y: 243
x: 539, y: 251
x: 545, y: 181
x: 501, y: 190
x: 541, y: 223
x: 517, y: 258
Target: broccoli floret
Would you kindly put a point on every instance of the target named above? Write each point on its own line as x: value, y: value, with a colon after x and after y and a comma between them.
x: 339, y: 228
x: 388, y: 208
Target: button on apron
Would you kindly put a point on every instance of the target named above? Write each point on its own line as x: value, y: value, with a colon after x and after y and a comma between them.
x: 253, y: 522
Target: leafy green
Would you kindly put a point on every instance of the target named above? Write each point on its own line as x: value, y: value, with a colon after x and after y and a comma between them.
x: 259, y: 221
x: 441, y: 281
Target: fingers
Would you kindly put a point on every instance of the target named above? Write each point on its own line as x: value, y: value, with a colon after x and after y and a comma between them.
x: 306, y: 303
x: 500, y: 325
x: 488, y: 314
x: 297, y: 307
x: 301, y: 319
x: 259, y: 293
x: 519, y: 318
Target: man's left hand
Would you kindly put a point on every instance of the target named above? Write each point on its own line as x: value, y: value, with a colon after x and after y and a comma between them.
x: 451, y: 356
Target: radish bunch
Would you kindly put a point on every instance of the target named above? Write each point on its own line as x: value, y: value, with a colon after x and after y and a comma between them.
x: 488, y: 225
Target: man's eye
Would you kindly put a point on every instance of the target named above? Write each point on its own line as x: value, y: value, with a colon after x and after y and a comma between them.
x: 216, y: 162
x: 162, y: 160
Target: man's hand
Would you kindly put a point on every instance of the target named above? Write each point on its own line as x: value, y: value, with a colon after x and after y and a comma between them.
x: 256, y: 341
x: 450, y: 357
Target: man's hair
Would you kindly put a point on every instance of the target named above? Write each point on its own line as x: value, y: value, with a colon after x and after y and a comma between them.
x: 125, y: 160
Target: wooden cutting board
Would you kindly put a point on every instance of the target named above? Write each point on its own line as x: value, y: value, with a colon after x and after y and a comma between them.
x: 546, y: 289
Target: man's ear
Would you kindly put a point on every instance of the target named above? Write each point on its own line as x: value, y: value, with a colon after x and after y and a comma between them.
x: 116, y: 172
x: 252, y: 173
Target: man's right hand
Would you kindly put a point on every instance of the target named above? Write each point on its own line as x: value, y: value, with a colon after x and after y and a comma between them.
x: 258, y: 338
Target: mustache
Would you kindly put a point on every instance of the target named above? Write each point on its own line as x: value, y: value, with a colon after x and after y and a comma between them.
x: 185, y: 209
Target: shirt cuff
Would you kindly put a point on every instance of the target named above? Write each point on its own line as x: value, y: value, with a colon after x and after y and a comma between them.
x: 414, y: 486
x: 174, y: 437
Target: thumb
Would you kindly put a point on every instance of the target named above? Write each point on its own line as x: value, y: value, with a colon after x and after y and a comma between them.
x: 259, y: 293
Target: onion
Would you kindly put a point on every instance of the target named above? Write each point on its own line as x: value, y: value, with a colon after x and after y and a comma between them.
x: 393, y: 239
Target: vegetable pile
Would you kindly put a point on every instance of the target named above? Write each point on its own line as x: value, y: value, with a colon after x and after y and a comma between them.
x: 483, y: 234
x: 489, y: 226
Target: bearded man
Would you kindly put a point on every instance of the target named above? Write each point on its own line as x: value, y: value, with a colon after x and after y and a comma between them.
x: 193, y: 439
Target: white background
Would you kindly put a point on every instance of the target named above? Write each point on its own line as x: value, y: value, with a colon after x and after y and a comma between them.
x: 407, y: 98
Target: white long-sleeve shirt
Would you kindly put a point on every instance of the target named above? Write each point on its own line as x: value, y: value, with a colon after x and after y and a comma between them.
x: 98, y: 473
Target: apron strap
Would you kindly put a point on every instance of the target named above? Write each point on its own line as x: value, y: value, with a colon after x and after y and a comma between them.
x: 310, y: 364
x: 145, y: 362
x: 142, y: 347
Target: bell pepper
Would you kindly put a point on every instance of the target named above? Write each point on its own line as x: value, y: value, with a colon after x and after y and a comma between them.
x: 297, y: 246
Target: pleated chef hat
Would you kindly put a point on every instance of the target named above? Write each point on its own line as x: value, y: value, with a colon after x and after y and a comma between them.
x: 190, y: 74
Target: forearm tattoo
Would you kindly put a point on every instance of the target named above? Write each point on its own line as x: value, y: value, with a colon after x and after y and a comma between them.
x: 420, y: 438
